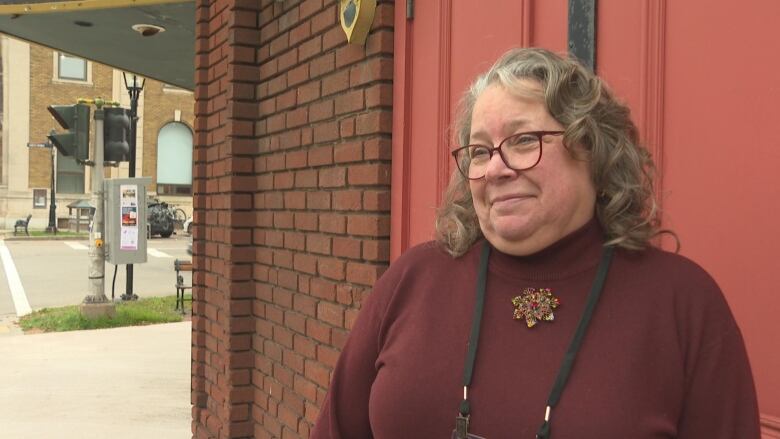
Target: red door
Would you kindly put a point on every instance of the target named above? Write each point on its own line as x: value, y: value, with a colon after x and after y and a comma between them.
x: 700, y: 77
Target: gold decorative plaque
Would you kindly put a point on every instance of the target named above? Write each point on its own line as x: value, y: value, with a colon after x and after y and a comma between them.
x: 356, y: 17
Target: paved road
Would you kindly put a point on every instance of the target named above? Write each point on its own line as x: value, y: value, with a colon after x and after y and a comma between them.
x: 54, y: 273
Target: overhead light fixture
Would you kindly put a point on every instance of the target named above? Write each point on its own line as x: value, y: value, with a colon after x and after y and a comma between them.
x: 148, y: 30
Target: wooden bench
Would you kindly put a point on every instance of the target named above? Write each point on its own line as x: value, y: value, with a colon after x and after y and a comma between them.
x: 181, y: 265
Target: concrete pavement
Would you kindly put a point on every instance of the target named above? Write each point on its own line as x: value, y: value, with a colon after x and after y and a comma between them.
x: 131, y: 382
x: 9, y: 325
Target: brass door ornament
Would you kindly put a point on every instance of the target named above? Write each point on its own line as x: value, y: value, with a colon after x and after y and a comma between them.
x: 356, y: 17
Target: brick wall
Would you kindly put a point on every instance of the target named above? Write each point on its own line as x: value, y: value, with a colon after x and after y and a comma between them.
x: 292, y: 199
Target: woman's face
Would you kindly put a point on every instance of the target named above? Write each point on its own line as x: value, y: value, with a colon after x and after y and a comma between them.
x: 523, y: 212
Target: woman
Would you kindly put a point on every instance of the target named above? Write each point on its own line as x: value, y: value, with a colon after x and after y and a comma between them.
x: 542, y: 310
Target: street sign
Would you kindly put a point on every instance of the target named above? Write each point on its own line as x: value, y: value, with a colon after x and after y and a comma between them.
x: 38, y: 145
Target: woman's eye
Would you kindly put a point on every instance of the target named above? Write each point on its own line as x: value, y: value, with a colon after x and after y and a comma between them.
x: 522, y: 140
x: 479, y: 152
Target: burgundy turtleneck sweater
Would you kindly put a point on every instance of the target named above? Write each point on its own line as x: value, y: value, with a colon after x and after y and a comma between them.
x: 662, y: 358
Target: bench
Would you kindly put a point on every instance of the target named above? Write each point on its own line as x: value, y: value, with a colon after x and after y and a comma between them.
x: 181, y: 265
x: 22, y: 224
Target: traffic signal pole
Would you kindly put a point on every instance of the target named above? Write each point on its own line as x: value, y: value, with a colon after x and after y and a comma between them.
x: 111, y: 128
x: 96, y: 303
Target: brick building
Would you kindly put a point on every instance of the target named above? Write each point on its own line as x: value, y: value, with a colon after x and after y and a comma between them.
x: 292, y: 206
x: 35, y: 77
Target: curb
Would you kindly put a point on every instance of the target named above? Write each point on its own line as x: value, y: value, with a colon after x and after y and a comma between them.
x: 45, y: 238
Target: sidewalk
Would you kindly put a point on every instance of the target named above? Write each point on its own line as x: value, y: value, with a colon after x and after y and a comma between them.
x: 9, y: 325
x: 131, y: 382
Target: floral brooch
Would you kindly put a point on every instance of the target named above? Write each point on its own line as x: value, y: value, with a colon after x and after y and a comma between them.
x: 535, y: 305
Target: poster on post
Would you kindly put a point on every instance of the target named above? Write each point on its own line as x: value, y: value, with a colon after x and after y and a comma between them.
x: 129, y: 212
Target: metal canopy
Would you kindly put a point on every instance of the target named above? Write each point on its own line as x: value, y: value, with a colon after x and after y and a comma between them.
x: 102, y: 31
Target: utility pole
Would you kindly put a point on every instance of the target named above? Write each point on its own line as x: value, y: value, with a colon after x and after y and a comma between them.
x: 134, y: 91
x: 96, y: 303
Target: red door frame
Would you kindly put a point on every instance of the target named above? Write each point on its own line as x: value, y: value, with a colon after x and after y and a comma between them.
x: 403, y: 120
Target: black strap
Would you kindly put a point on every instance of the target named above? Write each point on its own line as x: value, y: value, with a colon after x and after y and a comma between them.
x: 576, y: 342
x: 571, y: 353
x: 475, y: 325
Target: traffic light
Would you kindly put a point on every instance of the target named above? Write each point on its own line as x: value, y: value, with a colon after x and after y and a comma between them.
x: 116, y: 135
x: 75, y: 119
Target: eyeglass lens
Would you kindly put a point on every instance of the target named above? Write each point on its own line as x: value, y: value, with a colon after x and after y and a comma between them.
x: 518, y: 152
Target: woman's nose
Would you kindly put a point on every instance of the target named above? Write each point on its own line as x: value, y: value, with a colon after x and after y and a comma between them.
x: 497, y: 168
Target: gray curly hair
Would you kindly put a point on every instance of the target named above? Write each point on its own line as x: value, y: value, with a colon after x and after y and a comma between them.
x: 621, y: 169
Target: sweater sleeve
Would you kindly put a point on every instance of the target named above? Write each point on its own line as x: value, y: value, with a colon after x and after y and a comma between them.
x: 721, y: 401
x: 718, y: 395
x: 345, y: 412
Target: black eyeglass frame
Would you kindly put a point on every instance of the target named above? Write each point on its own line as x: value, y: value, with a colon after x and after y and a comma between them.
x: 539, y: 135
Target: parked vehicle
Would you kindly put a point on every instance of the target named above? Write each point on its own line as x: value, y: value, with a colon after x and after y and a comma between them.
x: 160, y: 218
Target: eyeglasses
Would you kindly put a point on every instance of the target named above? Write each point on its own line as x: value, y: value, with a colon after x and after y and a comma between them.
x: 519, y: 152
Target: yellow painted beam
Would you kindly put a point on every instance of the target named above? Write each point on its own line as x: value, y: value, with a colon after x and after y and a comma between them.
x: 78, y: 5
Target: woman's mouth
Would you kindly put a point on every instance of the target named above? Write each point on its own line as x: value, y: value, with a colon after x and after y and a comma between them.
x: 509, y: 202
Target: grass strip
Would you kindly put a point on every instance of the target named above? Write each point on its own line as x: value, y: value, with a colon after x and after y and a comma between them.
x: 145, y: 311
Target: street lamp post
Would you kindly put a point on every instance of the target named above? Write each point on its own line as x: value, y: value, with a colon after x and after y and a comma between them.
x: 134, y: 91
x: 52, y: 227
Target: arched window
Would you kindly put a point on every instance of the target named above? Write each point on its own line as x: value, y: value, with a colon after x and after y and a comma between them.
x: 174, y: 159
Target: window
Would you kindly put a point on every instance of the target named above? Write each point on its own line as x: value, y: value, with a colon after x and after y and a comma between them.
x: 174, y: 159
x: 39, y: 198
x: 71, y: 68
x: 70, y: 175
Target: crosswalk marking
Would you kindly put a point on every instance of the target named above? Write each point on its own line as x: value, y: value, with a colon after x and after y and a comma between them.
x: 75, y: 245
x: 150, y: 251
x: 18, y: 295
x: 157, y: 253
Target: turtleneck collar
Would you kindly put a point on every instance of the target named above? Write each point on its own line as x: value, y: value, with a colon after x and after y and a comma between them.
x: 574, y: 253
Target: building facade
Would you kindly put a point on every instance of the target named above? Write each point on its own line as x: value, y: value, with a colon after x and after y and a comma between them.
x: 35, y: 77
x: 300, y: 136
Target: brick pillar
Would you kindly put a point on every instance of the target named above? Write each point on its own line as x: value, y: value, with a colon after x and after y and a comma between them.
x: 292, y: 200
x: 224, y: 184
